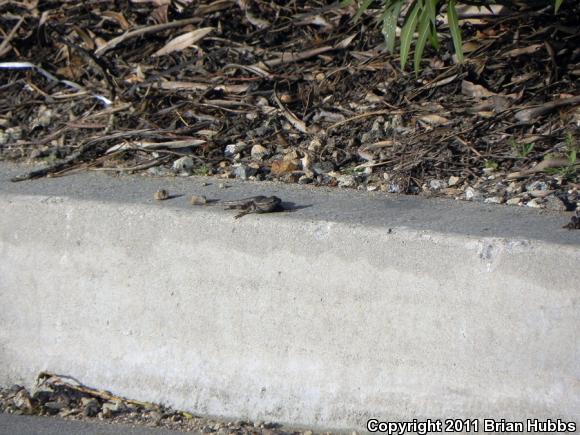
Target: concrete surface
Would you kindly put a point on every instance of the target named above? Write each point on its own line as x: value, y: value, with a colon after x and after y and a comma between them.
x: 30, y: 425
x: 354, y: 306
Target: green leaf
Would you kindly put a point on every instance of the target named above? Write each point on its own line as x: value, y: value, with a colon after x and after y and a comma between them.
x: 572, y: 157
x: 454, y: 29
x: 407, y: 32
x: 423, y: 33
x: 433, y: 37
x: 432, y: 10
x: 361, y: 10
x: 557, y: 4
x: 390, y: 18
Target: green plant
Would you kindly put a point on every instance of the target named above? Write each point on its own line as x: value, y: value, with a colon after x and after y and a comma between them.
x: 523, y: 149
x: 203, y: 169
x: 420, y: 17
x: 491, y: 165
x: 570, y: 170
x: 352, y: 171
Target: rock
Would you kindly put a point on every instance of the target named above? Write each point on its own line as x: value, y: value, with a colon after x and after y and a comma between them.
x: 554, y: 203
x: 183, y: 165
x: 90, y: 406
x: 395, y: 187
x: 155, y: 417
x: 377, y: 125
x: 514, y: 188
x: 437, y: 184
x: 537, y: 185
x: 243, y: 172
x: 292, y: 156
x: 23, y: 401
x: 280, y: 167
x: 494, y: 200
x: 315, y: 144
x: 44, y: 117
x: 227, y: 174
x: 4, y: 137
x: 514, y: 201
x: 270, y: 425
x: 304, y: 179
x: 198, y: 200
x: 322, y: 168
x: 453, y: 180
x: 346, y: 181
x: 107, y: 410
x: 14, y: 133
x: 54, y: 407
x: 259, y: 152
x: 235, y: 148
x: 471, y: 194
x: 371, y: 97
x: 534, y: 203
x: 41, y: 392
x: 161, y: 195
x: 372, y: 188
x: 222, y: 186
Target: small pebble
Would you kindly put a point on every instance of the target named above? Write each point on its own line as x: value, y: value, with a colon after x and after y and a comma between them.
x: 494, y: 200
x: 161, y: 195
x: 453, y: 180
x: 534, y: 203
x: 198, y: 200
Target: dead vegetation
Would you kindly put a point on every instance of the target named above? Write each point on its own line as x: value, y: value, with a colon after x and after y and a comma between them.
x: 295, y: 91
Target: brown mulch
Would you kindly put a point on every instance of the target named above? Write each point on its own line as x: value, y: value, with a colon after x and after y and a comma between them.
x: 295, y: 91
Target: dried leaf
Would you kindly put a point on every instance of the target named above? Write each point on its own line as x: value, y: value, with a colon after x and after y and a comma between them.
x: 434, y: 119
x: 472, y: 90
x: 183, y: 41
x: 525, y: 50
x: 228, y: 89
x: 118, y: 17
x: 153, y: 2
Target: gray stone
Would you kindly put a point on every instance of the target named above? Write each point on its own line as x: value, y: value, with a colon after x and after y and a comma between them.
x: 232, y: 149
x: 183, y: 165
x: 472, y: 194
x: 244, y: 172
x: 554, y: 203
x: 537, y: 185
x: 346, y: 181
x: 437, y: 184
x: 321, y: 168
x: 259, y: 152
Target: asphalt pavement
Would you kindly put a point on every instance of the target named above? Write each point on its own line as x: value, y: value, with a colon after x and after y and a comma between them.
x: 33, y: 425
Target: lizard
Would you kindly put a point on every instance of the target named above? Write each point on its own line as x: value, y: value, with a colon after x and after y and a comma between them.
x: 254, y: 204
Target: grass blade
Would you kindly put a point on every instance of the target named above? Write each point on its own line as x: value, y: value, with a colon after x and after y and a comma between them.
x: 454, y: 29
x: 390, y: 19
x: 423, y: 33
x: 407, y: 32
x: 361, y: 10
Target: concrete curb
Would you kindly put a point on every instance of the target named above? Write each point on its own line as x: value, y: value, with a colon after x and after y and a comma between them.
x: 353, y: 307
